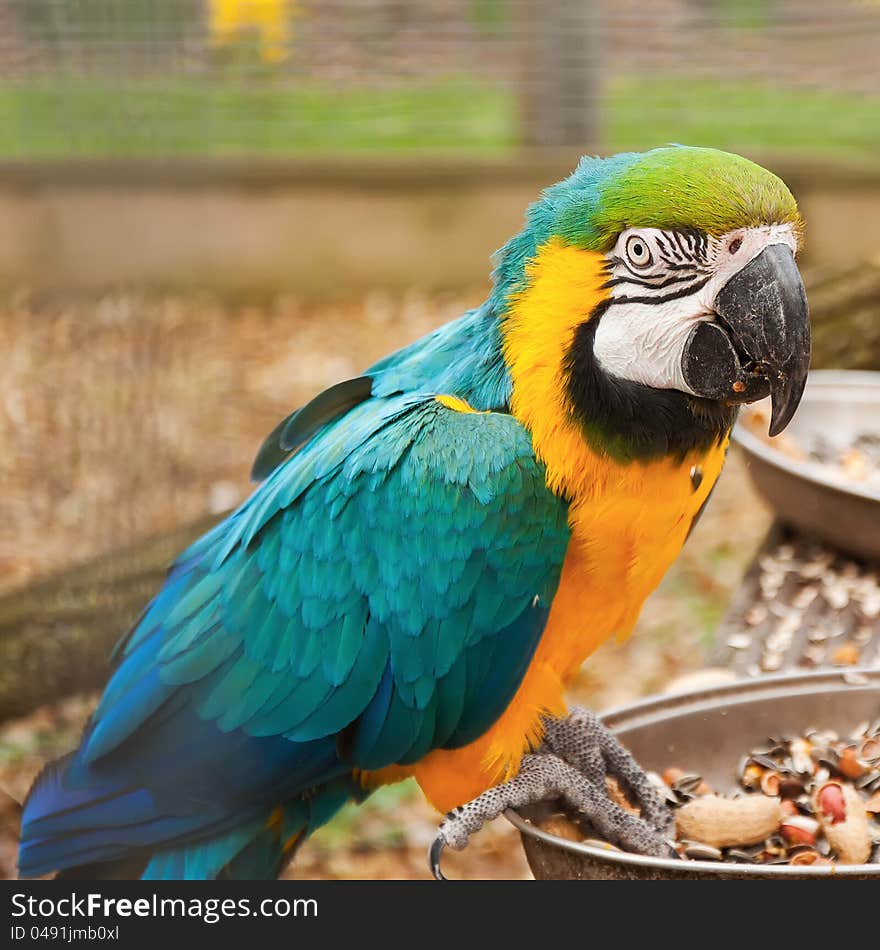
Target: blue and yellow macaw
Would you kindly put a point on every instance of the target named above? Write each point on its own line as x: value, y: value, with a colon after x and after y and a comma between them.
x: 437, y: 545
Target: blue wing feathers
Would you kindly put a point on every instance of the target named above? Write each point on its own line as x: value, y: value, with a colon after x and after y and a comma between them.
x: 373, y: 600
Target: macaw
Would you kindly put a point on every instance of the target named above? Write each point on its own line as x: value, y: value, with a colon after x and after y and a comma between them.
x: 435, y: 547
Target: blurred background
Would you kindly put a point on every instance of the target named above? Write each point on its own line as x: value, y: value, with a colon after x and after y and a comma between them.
x: 212, y: 209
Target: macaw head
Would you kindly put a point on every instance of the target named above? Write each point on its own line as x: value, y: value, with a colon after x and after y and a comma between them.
x: 660, y: 290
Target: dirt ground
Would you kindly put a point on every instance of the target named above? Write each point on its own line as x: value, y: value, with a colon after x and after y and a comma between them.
x: 125, y: 416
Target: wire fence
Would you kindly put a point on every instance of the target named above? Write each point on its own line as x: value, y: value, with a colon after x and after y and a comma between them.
x: 208, y: 77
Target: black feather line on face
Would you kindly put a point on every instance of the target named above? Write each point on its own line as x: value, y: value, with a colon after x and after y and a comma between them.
x: 665, y: 298
x: 659, y: 284
x: 631, y: 421
x: 686, y: 252
x: 692, y: 268
x: 683, y: 248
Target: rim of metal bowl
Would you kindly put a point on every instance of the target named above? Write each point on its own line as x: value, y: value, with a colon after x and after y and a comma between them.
x: 634, y: 711
x: 811, y: 471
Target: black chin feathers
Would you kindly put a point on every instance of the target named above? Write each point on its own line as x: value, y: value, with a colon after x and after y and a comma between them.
x: 634, y: 422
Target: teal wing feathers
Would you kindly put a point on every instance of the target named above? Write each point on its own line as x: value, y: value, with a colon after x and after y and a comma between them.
x: 406, y: 535
x: 297, y: 428
x: 462, y: 357
x: 380, y: 595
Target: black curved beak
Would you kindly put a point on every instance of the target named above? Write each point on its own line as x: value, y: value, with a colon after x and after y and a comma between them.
x: 759, y: 344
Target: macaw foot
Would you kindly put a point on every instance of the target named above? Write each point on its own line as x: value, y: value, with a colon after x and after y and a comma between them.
x: 572, y: 765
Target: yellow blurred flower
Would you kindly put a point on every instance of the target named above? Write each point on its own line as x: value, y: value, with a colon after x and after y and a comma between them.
x: 269, y: 19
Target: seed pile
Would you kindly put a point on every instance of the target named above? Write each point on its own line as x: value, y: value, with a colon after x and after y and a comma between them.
x: 812, y: 607
x: 808, y: 799
x: 856, y: 461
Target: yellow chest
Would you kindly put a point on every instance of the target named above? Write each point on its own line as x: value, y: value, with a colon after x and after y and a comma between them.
x: 628, y: 519
x: 625, y: 535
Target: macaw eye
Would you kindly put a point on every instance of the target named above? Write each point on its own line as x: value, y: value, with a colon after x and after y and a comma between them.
x: 638, y: 252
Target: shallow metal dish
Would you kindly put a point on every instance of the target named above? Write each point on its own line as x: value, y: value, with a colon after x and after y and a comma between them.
x: 708, y: 731
x: 837, y: 403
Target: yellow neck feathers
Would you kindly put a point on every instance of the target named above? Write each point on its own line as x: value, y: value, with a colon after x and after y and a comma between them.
x: 564, y: 285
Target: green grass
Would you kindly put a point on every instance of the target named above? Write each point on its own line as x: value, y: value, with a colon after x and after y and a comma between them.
x: 189, y: 118
x: 221, y: 117
x: 736, y: 115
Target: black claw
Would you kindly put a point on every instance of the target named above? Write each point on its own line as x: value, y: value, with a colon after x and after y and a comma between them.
x: 434, y: 854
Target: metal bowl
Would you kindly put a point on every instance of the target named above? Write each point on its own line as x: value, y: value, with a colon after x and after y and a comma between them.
x: 707, y: 732
x: 837, y: 403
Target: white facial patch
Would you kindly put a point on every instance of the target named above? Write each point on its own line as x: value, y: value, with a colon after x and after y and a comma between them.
x: 662, y: 284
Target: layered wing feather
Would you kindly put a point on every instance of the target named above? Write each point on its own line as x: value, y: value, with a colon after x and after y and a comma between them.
x: 379, y: 596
